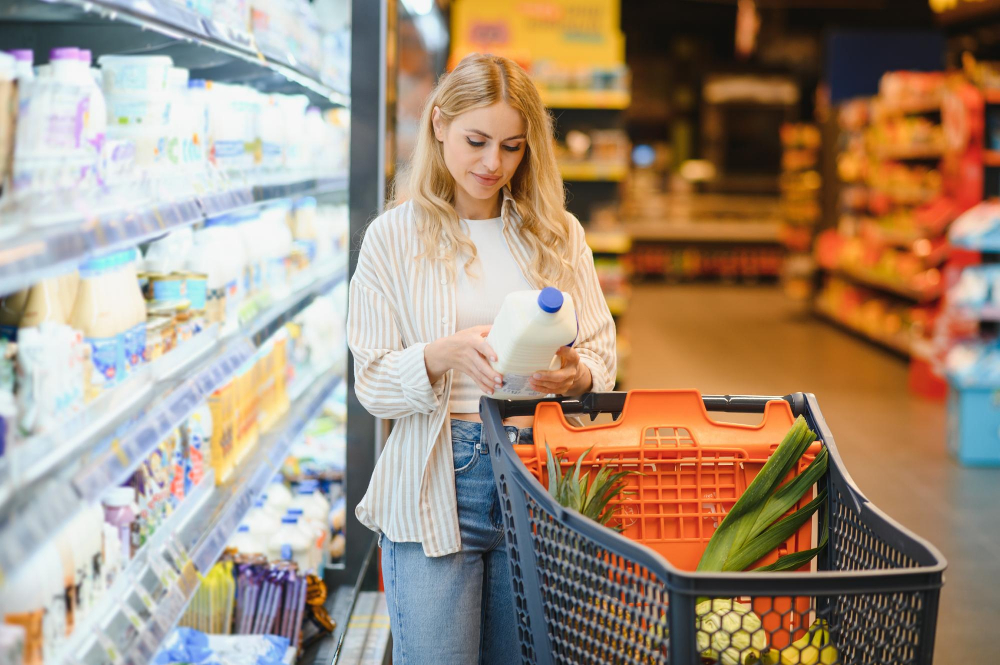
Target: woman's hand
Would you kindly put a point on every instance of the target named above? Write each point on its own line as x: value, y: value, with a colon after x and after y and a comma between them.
x: 572, y: 379
x: 466, y: 351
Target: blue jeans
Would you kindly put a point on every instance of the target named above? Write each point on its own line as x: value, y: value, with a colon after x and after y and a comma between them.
x: 457, y: 608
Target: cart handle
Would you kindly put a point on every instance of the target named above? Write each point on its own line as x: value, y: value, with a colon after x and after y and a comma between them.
x: 593, y: 404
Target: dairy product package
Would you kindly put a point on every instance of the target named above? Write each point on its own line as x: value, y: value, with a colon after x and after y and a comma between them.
x: 525, y: 336
x: 8, y: 111
x: 50, y: 377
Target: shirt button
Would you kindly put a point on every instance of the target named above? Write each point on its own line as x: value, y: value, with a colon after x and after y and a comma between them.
x: 444, y: 319
x: 444, y: 280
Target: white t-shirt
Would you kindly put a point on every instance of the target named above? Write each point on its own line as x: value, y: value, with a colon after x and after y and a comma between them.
x: 478, y: 297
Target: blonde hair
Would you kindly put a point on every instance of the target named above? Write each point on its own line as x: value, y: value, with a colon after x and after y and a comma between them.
x: 479, y: 81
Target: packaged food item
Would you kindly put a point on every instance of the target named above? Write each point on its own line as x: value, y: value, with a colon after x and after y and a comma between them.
x: 96, y: 121
x: 12, y: 644
x: 291, y: 543
x: 530, y: 328
x: 197, y: 432
x: 222, y: 405
x: 11, y: 311
x: 172, y: 461
x: 157, y: 337
x: 8, y: 110
x: 98, y: 314
x: 24, y: 59
x: 44, y: 304
x: 51, y: 380
x: 34, y: 599
x: 120, y: 513
x: 135, y: 305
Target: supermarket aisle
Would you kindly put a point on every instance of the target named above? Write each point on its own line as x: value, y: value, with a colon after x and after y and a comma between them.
x: 753, y: 340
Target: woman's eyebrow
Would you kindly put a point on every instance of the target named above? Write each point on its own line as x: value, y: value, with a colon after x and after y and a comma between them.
x: 485, y: 135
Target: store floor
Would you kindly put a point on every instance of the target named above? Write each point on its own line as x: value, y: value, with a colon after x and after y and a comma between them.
x: 752, y: 340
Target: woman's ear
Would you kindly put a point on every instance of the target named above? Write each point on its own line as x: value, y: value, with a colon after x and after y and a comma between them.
x: 437, y: 123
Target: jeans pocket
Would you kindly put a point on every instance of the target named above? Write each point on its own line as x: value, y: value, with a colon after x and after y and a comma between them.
x: 465, y: 454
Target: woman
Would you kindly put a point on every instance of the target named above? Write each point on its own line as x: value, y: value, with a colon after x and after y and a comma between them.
x: 484, y: 217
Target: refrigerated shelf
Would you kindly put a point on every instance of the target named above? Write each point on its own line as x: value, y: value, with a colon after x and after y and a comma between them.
x: 45, y: 251
x: 210, y: 528
x: 189, y: 29
x: 114, y: 434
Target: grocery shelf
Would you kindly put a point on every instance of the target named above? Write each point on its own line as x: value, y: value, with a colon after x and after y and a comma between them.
x: 609, y: 242
x: 133, y: 580
x: 593, y: 171
x: 164, y: 574
x: 266, y: 320
x: 45, y: 251
x: 875, y: 281
x: 905, y: 153
x: 911, y: 108
x: 209, y: 529
x: 586, y: 99
x: 766, y: 232
x: 188, y: 29
x: 102, y: 446
x: 991, y: 158
x: 896, y: 346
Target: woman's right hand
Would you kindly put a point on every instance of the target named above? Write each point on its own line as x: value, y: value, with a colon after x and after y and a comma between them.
x: 466, y: 351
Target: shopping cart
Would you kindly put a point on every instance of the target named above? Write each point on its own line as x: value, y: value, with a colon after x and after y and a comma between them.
x: 586, y: 594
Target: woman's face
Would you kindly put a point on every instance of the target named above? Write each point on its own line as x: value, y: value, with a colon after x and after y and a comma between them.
x: 482, y: 148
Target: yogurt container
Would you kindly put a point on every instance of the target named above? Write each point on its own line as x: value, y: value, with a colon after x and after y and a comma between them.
x: 135, y: 74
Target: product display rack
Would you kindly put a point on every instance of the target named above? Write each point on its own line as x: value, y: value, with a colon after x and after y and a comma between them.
x: 185, y: 31
x: 150, y: 596
x: 148, y: 405
x: 42, y: 251
x: 882, y: 264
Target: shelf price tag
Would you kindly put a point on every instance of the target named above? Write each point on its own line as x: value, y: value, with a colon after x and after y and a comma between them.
x: 109, y: 647
x: 131, y: 615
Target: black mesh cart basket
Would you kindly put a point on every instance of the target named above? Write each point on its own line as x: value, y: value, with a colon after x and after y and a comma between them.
x: 584, y: 593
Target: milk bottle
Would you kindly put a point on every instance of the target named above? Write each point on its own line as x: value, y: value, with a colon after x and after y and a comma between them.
x: 526, y: 334
x: 290, y: 542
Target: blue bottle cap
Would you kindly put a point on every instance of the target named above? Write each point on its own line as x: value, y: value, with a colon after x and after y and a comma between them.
x: 550, y: 300
x: 286, y: 552
x: 295, y: 512
x: 289, y: 520
x: 244, y: 528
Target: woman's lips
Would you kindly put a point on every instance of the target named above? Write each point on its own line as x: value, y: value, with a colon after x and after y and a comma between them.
x: 486, y: 180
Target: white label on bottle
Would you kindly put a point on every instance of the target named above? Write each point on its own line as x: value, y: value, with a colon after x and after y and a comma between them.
x: 516, y: 385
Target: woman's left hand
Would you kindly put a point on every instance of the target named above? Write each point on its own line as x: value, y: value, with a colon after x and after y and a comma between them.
x: 572, y: 379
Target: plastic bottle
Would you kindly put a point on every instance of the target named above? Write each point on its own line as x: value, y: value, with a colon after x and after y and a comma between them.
x: 24, y: 58
x: 204, y: 259
x: 197, y: 432
x: 11, y: 311
x: 135, y: 337
x: 279, y: 497
x: 317, y: 533
x: 120, y: 512
x: 44, y: 304
x: 290, y: 542
x: 526, y: 334
x: 34, y: 598
x: 263, y: 521
x: 8, y: 74
x: 245, y: 543
x: 97, y: 313
x: 311, y: 500
x: 96, y: 126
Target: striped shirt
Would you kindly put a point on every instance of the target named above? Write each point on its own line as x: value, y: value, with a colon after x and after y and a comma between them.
x: 398, y: 304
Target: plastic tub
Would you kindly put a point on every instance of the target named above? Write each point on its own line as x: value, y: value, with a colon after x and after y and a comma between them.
x: 134, y: 73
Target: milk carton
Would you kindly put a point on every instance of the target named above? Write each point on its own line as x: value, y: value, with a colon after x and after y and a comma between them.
x: 526, y: 334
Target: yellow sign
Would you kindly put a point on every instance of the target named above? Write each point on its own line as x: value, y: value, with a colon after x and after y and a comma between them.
x: 578, y: 33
